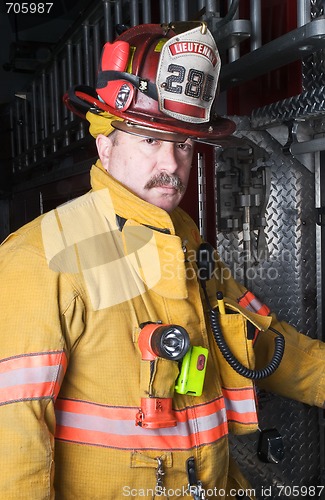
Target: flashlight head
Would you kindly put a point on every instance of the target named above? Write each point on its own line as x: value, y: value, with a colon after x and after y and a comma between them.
x: 165, y: 341
x: 170, y: 342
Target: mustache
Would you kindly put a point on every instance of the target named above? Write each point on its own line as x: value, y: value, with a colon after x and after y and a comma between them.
x: 164, y: 179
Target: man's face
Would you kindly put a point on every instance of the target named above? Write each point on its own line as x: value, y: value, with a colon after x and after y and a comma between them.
x: 157, y: 171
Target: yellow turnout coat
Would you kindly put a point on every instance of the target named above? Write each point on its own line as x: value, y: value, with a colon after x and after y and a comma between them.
x: 76, y: 284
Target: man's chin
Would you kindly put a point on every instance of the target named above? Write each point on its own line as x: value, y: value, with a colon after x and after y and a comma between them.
x: 169, y: 204
x: 165, y: 198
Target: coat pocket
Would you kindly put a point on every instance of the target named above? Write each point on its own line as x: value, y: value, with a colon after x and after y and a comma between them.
x: 157, y: 462
x: 238, y: 391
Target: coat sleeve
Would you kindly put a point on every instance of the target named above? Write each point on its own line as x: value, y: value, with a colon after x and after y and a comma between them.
x: 39, y: 324
x: 301, y: 374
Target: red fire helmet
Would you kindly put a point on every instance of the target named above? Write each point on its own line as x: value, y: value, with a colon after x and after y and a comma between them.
x: 161, y: 83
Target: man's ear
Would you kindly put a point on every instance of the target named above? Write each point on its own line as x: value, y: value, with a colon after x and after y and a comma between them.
x: 104, y: 146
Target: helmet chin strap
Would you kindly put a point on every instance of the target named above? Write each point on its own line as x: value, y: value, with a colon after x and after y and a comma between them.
x: 141, y: 84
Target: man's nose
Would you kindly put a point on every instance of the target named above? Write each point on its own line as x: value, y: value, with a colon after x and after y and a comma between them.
x: 168, y: 161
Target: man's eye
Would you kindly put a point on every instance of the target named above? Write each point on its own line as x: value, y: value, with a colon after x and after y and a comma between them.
x: 185, y: 146
x: 149, y: 140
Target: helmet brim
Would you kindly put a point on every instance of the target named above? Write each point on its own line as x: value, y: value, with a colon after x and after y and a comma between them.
x: 176, y: 131
x: 81, y: 99
x: 150, y: 133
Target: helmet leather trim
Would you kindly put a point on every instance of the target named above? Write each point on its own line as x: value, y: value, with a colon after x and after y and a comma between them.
x: 150, y: 133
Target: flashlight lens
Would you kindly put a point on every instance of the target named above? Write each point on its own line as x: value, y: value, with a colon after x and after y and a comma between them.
x: 123, y: 97
x: 170, y: 342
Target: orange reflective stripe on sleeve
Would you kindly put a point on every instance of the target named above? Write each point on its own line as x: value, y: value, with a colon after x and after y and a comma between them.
x: 114, y: 427
x: 250, y: 302
x: 240, y: 405
x: 31, y: 376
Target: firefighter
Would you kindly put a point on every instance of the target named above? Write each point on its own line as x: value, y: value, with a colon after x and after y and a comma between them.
x: 106, y: 301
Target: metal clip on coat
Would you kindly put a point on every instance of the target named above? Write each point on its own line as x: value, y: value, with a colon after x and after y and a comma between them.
x: 194, y: 486
x: 169, y: 342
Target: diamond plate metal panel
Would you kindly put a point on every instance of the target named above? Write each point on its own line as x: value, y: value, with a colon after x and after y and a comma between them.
x: 309, y: 104
x: 312, y: 67
x: 300, y: 465
x: 286, y: 281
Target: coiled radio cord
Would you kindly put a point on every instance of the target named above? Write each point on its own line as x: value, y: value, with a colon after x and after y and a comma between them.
x: 235, y: 363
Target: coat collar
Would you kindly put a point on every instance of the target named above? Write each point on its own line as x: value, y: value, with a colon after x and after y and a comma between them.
x: 128, y: 205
